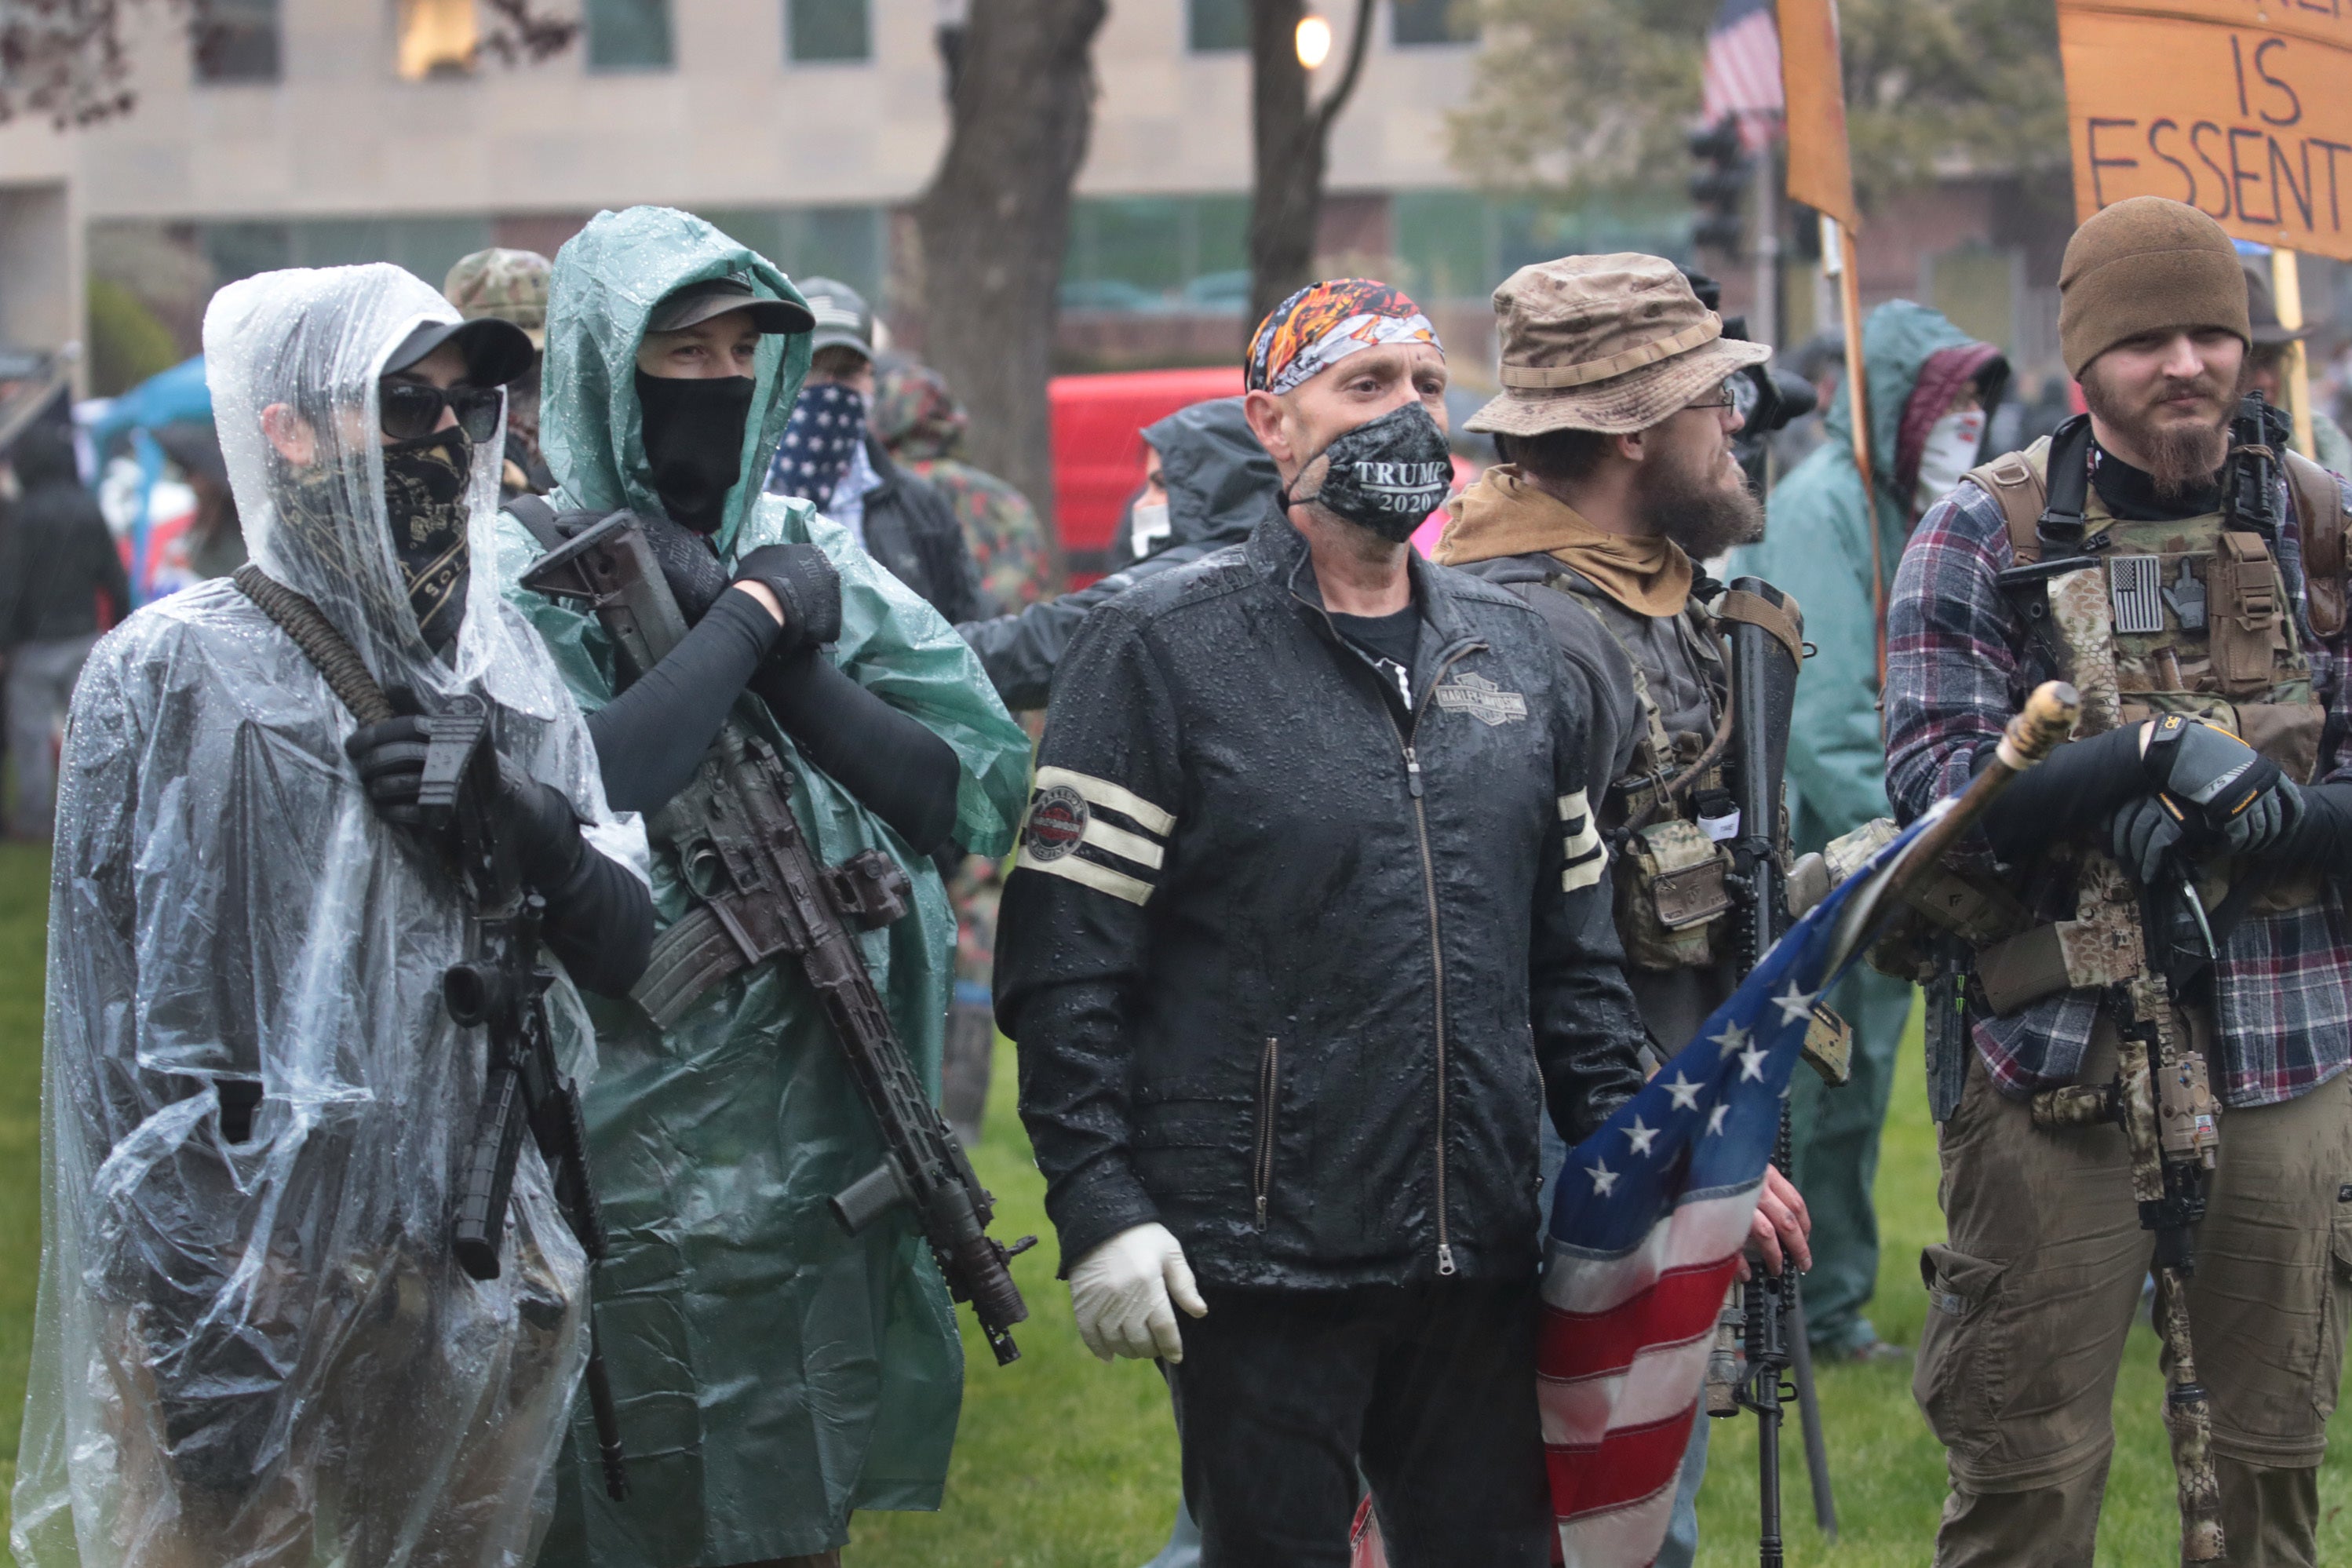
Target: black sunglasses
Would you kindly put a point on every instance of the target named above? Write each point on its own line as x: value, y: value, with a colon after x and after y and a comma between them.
x: 410, y: 409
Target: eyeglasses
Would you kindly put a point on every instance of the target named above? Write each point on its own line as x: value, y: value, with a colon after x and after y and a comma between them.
x: 1723, y: 397
x: 410, y: 409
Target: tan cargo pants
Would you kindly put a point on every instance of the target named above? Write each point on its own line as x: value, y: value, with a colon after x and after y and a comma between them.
x: 2029, y: 1301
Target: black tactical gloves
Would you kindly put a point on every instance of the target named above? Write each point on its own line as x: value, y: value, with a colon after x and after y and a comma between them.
x: 2214, y: 793
x: 805, y: 584
x: 533, y: 819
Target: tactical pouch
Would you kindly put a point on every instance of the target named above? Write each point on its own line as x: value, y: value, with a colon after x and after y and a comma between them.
x: 1828, y: 1047
x: 1671, y: 896
x: 2244, y: 625
x: 2065, y: 955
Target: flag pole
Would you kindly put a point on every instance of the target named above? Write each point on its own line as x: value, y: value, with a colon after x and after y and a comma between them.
x: 2286, y: 291
x: 1838, y: 261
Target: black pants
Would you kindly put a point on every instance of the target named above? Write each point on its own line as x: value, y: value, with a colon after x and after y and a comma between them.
x: 1430, y: 1388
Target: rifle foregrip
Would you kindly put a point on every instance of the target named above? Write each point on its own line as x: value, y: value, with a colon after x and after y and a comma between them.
x: 488, y: 1180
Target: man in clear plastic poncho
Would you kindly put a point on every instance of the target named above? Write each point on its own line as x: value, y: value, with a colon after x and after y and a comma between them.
x: 774, y: 1374
x: 252, y: 1346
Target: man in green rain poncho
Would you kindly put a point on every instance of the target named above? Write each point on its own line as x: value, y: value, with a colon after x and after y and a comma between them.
x: 773, y: 1375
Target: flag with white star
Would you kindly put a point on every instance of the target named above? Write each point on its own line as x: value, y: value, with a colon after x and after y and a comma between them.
x: 1648, y: 1222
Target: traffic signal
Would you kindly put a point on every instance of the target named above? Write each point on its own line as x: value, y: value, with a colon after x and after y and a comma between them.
x: 1719, y: 187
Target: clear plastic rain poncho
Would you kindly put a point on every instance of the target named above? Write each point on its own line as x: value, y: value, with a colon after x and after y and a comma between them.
x: 787, y: 1374
x: 252, y: 1346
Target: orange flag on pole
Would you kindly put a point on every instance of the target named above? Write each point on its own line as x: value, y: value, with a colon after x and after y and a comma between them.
x: 1820, y: 175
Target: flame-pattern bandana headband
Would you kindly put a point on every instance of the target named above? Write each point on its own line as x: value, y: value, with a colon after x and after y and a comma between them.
x: 1325, y: 323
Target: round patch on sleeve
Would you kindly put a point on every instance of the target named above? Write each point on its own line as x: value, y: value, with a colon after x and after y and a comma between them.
x: 1057, y: 820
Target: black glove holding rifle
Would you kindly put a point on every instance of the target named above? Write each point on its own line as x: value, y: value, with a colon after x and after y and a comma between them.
x: 764, y: 631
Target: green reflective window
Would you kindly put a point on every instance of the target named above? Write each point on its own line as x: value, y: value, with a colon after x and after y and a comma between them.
x: 1415, y: 22
x: 1213, y: 24
x: 628, y: 34
x: 820, y: 31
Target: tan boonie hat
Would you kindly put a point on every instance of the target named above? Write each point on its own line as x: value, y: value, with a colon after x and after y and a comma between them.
x: 1612, y: 343
x: 510, y: 285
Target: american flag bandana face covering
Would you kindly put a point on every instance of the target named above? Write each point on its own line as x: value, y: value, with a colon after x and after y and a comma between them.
x: 820, y: 438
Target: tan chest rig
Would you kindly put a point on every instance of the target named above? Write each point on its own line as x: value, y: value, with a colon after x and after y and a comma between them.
x: 2194, y: 617
x: 1668, y: 879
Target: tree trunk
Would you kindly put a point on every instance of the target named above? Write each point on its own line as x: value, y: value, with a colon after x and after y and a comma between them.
x: 996, y: 220
x: 1291, y: 144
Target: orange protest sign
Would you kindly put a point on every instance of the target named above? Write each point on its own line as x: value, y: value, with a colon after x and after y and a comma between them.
x: 1812, y: 81
x: 2240, y: 108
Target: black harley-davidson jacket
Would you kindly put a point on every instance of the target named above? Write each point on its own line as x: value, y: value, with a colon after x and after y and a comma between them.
x: 1294, y: 966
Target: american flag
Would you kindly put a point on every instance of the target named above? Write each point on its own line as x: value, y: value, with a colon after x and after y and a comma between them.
x: 1648, y: 1221
x: 1741, y: 77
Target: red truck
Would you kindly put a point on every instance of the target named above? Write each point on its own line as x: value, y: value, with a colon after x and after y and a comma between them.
x: 1098, y: 430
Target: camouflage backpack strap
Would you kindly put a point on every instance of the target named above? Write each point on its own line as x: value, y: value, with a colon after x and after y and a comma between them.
x: 2319, y: 514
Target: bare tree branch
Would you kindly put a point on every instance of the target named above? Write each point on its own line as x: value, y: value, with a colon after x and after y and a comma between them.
x: 1342, y: 91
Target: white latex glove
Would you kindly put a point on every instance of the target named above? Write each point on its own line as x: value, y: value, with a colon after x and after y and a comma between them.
x: 1121, y: 1292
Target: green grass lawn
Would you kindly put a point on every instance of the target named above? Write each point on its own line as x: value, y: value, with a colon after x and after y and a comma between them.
x: 1066, y: 1463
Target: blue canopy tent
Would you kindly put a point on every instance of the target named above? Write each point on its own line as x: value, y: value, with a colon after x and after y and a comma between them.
x: 165, y: 398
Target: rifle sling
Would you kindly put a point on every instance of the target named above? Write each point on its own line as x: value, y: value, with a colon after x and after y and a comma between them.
x: 337, y: 662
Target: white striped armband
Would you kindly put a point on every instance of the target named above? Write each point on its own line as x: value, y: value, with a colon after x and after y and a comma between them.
x: 1095, y: 833
x: 1584, y: 853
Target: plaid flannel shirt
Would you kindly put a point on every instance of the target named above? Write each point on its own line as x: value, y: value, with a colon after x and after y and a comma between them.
x: 1958, y: 663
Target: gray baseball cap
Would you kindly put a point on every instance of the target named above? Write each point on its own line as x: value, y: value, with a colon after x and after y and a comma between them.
x: 844, y: 320
x: 696, y: 303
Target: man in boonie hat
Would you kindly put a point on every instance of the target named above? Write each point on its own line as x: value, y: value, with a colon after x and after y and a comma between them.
x: 1615, y: 423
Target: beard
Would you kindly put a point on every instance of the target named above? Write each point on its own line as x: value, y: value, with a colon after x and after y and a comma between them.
x: 1684, y: 502
x: 2182, y: 455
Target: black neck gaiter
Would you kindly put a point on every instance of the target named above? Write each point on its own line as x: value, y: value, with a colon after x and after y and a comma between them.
x: 694, y: 442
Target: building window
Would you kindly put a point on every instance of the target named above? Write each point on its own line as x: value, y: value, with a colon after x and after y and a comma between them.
x: 826, y: 32
x: 437, y: 38
x: 1416, y: 22
x: 1211, y: 26
x: 848, y: 243
x: 628, y: 34
x: 1158, y: 253
x: 236, y: 40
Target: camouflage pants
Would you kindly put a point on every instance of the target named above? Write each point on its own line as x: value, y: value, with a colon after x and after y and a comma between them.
x: 2032, y: 1298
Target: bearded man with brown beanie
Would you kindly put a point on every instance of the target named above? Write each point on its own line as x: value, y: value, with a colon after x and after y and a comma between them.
x: 2208, y: 611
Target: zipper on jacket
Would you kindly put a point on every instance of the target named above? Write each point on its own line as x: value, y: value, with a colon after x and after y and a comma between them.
x: 1269, y: 1100
x: 1436, y: 946
x: 1447, y: 658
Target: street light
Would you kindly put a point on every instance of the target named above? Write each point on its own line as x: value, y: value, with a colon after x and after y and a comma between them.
x: 1314, y: 42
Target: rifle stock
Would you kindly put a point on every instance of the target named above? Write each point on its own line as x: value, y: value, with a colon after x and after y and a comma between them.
x: 760, y: 891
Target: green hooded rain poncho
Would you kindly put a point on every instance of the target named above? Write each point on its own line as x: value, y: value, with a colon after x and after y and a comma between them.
x: 773, y: 1375
x: 1816, y: 546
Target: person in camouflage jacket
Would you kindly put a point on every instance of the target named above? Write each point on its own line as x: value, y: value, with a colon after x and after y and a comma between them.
x: 921, y: 426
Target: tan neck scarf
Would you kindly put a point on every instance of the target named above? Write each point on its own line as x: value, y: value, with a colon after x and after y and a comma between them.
x: 1504, y: 514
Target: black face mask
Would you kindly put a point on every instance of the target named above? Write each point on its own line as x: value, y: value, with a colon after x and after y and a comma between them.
x: 1388, y: 475
x: 424, y: 484
x: 694, y: 440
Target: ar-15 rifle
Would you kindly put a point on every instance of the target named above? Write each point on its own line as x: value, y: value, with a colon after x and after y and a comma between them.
x: 2160, y: 1096
x: 499, y: 987
x: 759, y: 892
x: 1764, y: 693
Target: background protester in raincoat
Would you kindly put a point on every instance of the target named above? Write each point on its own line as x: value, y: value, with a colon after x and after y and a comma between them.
x: 1932, y: 391
x: 775, y: 1374
x: 252, y: 1343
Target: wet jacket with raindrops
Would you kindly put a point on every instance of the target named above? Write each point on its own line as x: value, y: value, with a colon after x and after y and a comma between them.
x: 1294, y: 968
